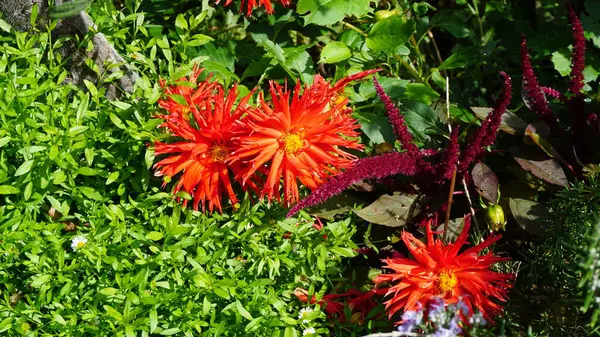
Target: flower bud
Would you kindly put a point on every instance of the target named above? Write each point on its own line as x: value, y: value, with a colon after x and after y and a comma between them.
x: 494, y: 216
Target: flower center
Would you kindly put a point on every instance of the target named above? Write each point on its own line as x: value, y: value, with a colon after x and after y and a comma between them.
x: 219, y: 153
x: 292, y: 142
x: 80, y: 244
x: 446, y: 281
x: 338, y: 99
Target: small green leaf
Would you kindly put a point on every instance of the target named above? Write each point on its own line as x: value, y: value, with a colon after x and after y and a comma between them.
x: 240, y: 308
x: 335, y: 52
x: 169, y: 332
x: 90, y: 193
x: 24, y: 168
x: 40, y: 280
x: 154, y: 236
x: 113, y: 313
x: 7, y: 189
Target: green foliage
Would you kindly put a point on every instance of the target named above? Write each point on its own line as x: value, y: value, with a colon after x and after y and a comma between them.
x: 73, y: 163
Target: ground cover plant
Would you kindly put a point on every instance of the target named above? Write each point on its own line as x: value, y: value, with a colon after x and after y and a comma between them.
x: 299, y: 168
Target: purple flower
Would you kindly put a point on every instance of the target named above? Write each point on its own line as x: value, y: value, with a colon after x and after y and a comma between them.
x: 409, y: 320
x: 578, y: 55
x: 486, y: 134
x: 396, y: 119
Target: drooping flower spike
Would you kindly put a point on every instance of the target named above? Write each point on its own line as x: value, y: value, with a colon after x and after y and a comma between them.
x: 250, y: 5
x: 578, y: 55
x: 301, y: 137
x: 202, y: 156
x: 413, y: 162
x: 486, y: 134
x: 533, y: 93
x: 396, y: 119
x: 440, y: 270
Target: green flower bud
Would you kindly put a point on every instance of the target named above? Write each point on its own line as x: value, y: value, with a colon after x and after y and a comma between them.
x: 494, y: 216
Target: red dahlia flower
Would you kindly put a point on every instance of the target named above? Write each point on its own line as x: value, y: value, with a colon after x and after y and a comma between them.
x: 203, y: 152
x: 251, y: 4
x: 438, y: 270
x: 188, y: 89
x: 301, y: 136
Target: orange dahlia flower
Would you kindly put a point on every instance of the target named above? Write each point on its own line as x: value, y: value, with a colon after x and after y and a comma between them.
x: 320, y: 84
x: 203, y: 152
x: 439, y: 270
x: 301, y: 137
x: 251, y: 4
x: 189, y: 90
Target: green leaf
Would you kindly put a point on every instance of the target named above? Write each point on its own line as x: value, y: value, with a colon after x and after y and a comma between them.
x: 112, y: 177
x: 24, y: 168
x: 561, y: 63
x: 454, y: 21
x: 240, y: 308
x: 90, y: 193
x: 422, y: 120
x: 113, y: 313
x: 328, y: 12
x: 530, y: 215
x: 40, y: 280
x: 335, y: 52
x: 153, y: 320
x: 421, y: 93
x: 58, y: 318
x: 391, y: 210
x: 169, y: 332
x: 154, y: 236
x: 540, y: 165
x: 389, y: 33
x: 7, y: 189
x: 69, y: 9
x: 462, y: 57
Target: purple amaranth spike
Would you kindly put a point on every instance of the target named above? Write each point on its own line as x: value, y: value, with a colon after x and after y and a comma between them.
x: 381, y: 166
x: 578, y: 54
x: 449, y: 158
x: 553, y: 93
x: 396, y: 119
x: 533, y: 91
x: 486, y: 134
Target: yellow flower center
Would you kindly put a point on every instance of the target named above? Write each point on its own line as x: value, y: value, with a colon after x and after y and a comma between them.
x: 80, y: 244
x: 185, y: 112
x: 338, y: 99
x: 446, y: 281
x: 219, y: 153
x: 292, y: 142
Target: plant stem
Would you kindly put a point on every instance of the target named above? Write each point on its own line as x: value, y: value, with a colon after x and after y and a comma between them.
x: 450, y: 197
x: 356, y: 29
x: 466, y: 188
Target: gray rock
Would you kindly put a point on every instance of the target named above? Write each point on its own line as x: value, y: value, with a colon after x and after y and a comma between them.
x: 18, y: 12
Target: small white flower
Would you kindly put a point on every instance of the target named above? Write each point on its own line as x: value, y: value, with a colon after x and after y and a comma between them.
x: 308, y: 331
x: 303, y: 313
x: 78, y: 242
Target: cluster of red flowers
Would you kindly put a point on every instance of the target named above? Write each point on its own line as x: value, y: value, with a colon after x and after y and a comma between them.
x: 301, y: 134
x: 250, y: 5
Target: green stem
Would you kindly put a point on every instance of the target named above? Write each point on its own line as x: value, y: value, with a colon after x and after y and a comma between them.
x: 356, y: 29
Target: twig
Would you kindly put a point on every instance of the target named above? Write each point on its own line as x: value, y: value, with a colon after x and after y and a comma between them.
x: 453, y: 180
x: 450, y: 196
x: 437, y: 50
x: 356, y: 29
x: 466, y: 188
